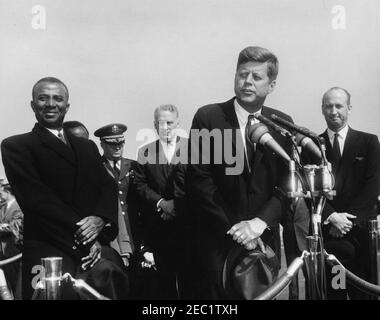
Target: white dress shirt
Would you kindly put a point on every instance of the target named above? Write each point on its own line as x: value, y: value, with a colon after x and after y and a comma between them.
x: 56, y: 132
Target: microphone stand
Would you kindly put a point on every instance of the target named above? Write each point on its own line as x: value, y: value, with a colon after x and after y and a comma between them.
x: 316, y: 263
x: 315, y: 245
x: 303, y: 184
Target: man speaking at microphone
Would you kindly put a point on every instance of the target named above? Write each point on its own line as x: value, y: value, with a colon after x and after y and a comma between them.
x: 242, y: 208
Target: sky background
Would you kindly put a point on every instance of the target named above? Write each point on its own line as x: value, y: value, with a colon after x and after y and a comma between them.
x: 121, y: 59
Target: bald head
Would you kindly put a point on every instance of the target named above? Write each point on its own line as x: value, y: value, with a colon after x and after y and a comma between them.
x: 337, y: 89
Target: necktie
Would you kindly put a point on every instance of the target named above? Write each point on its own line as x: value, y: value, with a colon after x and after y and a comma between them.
x: 335, y: 153
x: 116, y: 168
x: 248, y: 143
x: 61, y: 137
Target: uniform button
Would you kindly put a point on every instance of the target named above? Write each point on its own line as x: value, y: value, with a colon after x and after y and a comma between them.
x: 120, y: 192
x: 122, y: 202
x: 123, y: 213
x: 119, y: 182
x: 74, y: 247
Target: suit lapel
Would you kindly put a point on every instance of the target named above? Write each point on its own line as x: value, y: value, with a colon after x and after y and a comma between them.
x: 109, y: 168
x: 349, y: 151
x: 124, y: 167
x: 54, y: 143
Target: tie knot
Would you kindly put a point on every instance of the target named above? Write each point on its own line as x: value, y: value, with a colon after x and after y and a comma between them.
x: 61, y: 137
x: 251, y: 119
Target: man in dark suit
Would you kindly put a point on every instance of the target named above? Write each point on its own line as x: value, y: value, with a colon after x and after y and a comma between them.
x: 68, y: 199
x: 11, y: 236
x: 120, y: 169
x: 234, y: 190
x: 355, y: 159
x: 159, y: 180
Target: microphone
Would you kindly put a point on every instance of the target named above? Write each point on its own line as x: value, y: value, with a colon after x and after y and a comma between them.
x: 272, y: 125
x: 308, y: 144
x: 306, y: 132
x: 259, y: 133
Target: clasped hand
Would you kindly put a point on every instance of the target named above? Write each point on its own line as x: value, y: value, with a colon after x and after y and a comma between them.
x: 340, y: 224
x: 168, y: 210
x: 89, y: 229
x: 247, y: 233
x: 93, y: 256
x: 148, y: 261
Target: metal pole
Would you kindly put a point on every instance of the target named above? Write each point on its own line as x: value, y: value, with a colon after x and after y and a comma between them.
x: 5, y: 293
x: 374, y: 252
x: 316, y: 269
x: 52, y: 277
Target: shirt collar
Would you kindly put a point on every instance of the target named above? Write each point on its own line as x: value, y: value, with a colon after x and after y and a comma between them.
x: 172, y: 143
x: 111, y: 162
x: 243, y: 114
x: 342, y: 133
x: 55, y: 131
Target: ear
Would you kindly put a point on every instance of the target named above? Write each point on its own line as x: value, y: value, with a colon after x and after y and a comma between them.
x: 272, y: 85
x: 32, y: 105
x: 67, y: 108
x: 349, y: 108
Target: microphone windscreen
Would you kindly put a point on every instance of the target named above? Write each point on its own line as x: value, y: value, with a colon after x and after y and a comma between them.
x: 300, y: 139
x: 256, y: 131
x: 265, y: 138
x: 308, y: 144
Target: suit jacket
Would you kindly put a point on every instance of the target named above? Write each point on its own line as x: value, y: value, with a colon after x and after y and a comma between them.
x: 11, y: 237
x: 123, y: 243
x: 357, y: 178
x: 219, y: 200
x: 155, y: 178
x: 56, y: 186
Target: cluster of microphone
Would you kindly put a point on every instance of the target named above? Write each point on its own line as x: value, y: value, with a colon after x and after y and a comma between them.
x: 306, y: 139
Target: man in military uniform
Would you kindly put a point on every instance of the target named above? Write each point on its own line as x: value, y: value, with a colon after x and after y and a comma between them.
x: 112, y: 142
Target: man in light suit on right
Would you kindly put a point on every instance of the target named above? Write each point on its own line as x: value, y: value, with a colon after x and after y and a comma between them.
x: 355, y: 159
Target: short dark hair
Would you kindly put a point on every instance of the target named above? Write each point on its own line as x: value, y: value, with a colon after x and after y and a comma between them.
x: 258, y: 54
x: 74, y: 124
x: 51, y: 80
x: 337, y: 89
